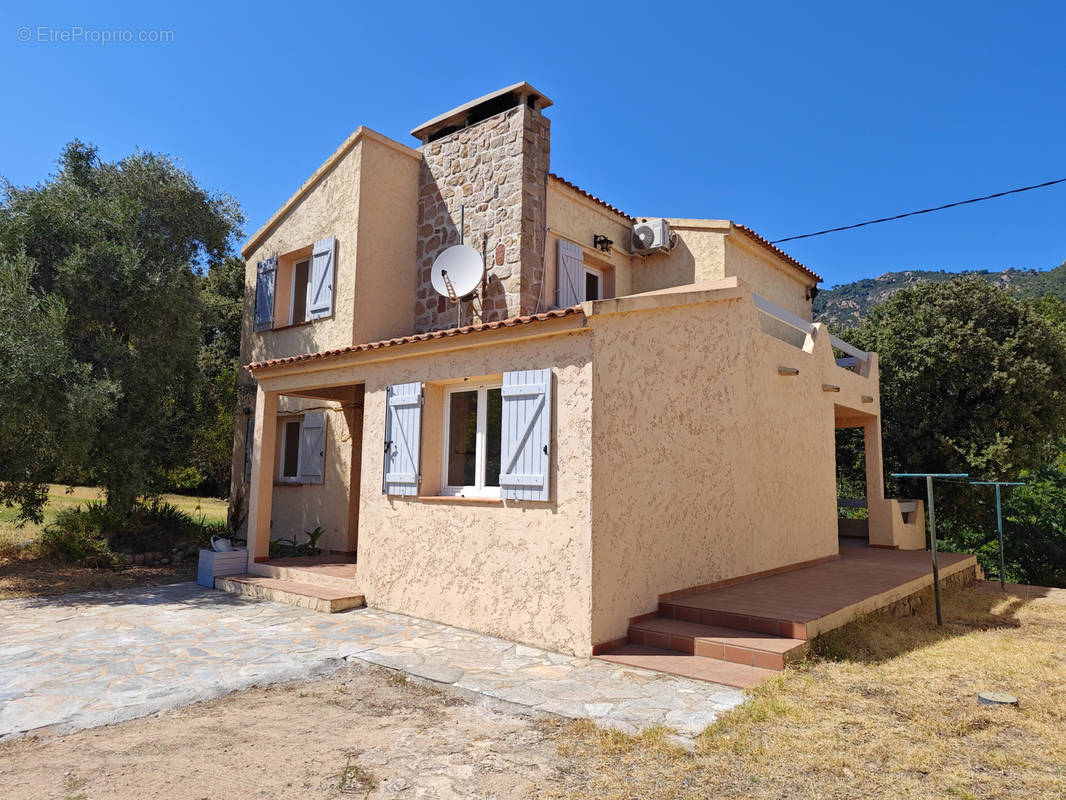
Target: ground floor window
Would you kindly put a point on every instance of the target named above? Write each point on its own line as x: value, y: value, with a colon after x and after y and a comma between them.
x: 472, y: 434
x: 290, y: 450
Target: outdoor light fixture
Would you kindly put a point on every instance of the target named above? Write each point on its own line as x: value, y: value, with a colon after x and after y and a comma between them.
x: 602, y: 242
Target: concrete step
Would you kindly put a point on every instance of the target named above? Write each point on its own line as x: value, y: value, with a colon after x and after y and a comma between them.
x: 323, y: 575
x: 714, y: 641
x: 688, y: 666
x: 304, y: 595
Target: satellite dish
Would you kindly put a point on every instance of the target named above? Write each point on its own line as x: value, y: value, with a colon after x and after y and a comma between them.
x: 457, y: 271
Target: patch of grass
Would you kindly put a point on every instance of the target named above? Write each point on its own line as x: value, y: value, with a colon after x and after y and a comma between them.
x: 72, y: 784
x: 14, y: 538
x: 886, y: 707
x: 355, y: 779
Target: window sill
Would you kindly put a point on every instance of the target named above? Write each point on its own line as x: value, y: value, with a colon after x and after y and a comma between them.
x: 454, y: 498
x: 303, y: 324
x: 290, y: 483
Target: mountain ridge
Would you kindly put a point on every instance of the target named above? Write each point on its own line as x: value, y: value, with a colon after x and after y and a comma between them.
x: 847, y: 304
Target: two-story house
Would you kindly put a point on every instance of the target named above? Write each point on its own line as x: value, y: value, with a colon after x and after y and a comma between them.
x: 607, y: 419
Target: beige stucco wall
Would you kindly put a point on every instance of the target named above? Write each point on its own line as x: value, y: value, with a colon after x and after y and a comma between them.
x: 330, y: 209
x: 372, y: 176
x: 370, y: 184
x: 574, y: 217
x: 707, y: 464
x: 780, y: 283
x: 385, y: 258
x: 517, y: 570
x: 698, y: 256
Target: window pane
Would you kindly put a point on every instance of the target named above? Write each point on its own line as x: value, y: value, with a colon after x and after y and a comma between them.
x: 291, y: 466
x: 592, y: 286
x: 494, y: 407
x: 299, y: 292
x: 462, y: 438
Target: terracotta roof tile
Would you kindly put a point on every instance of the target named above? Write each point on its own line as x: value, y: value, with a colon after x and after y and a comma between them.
x: 591, y: 197
x: 777, y: 251
x: 420, y: 337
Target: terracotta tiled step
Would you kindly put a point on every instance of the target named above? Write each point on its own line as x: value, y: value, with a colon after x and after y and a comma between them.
x: 772, y: 626
x: 713, y: 641
x: 695, y: 667
x: 304, y: 595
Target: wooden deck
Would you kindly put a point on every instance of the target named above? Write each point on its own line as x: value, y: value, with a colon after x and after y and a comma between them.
x: 818, y: 598
x: 740, y: 633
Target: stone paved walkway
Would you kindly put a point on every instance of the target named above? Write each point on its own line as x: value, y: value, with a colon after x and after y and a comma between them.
x: 78, y: 661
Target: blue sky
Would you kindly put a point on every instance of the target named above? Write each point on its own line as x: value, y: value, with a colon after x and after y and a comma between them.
x: 788, y: 117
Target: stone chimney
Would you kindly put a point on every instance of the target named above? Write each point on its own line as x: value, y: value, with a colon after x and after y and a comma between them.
x: 490, y: 156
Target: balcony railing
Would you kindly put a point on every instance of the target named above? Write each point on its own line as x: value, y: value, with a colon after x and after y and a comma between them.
x: 854, y: 356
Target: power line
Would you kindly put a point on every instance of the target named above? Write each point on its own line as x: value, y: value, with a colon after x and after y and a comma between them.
x: 923, y: 211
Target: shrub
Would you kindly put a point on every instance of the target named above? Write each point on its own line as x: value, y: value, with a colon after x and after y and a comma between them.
x: 93, y: 536
x: 158, y: 525
x: 77, y: 537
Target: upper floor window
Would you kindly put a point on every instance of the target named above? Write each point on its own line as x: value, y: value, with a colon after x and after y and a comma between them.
x: 581, y: 277
x: 301, y: 287
x: 295, y: 288
x: 593, y: 283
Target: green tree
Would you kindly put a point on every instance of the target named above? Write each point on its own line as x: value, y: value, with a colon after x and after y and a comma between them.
x: 972, y: 380
x: 50, y: 403
x: 122, y: 245
x: 211, y: 450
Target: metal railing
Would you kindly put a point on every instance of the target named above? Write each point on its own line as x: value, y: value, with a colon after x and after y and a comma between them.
x: 855, y: 355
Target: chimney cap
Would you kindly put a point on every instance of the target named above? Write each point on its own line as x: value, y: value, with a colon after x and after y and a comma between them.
x: 482, y: 108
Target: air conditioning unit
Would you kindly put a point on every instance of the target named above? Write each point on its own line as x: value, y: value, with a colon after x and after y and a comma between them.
x: 653, y: 236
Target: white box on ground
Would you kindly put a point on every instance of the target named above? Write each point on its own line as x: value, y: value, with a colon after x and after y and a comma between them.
x: 212, y: 564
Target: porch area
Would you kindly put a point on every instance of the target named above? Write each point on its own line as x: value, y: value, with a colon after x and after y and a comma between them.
x: 742, y: 632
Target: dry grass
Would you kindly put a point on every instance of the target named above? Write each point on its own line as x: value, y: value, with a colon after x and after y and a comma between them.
x: 23, y: 574
x: 885, y: 708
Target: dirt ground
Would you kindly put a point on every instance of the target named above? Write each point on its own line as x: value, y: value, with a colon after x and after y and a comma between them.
x: 27, y: 576
x: 361, y: 732
x: 885, y: 708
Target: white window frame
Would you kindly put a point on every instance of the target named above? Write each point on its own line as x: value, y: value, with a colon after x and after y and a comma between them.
x: 292, y: 290
x: 599, y: 277
x: 287, y: 420
x: 479, y: 489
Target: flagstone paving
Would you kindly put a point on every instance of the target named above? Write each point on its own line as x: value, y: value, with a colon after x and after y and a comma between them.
x: 77, y: 661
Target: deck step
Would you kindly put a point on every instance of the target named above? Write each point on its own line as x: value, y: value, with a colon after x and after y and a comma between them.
x: 304, y: 595
x: 688, y: 666
x: 714, y: 641
x: 696, y: 610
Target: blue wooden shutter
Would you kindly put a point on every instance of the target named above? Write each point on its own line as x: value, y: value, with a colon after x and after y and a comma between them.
x: 266, y: 271
x: 403, y: 435
x: 526, y: 431
x: 312, y: 447
x: 570, y: 277
x: 320, y: 281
